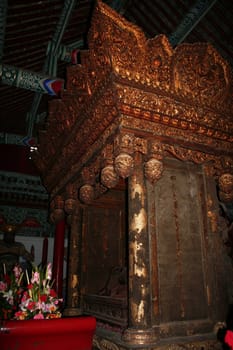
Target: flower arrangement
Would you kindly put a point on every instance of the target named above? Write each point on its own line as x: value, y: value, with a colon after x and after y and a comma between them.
x: 11, y: 287
x: 35, y: 299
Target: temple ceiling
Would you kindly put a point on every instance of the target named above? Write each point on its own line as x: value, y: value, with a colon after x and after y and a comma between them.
x: 39, y: 40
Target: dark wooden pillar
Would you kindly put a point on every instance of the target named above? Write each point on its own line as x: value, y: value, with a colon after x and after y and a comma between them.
x: 72, y: 307
x: 58, y: 256
x: 140, y: 319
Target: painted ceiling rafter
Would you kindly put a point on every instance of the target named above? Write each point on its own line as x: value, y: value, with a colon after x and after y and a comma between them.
x: 3, y: 17
x: 118, y: 5
x: 197, y: 28
x: 190, y: 21
x: 55, y: 50
x: 41, y: 83
x: 50, y: 65
x: 30, y: 80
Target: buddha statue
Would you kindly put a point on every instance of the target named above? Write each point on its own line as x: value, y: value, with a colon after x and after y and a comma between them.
x: 12, y: 252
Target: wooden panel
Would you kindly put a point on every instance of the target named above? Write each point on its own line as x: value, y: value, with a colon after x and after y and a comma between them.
x: 104, y: 245
x: 179, y: 227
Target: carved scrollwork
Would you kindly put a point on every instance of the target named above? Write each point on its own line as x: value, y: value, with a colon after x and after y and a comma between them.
x: 226, y: 183
x: 140, y: 145
x: 226, y: 187
x: 199, y: 345
x: 153, y: 169
x: 109, y: 30
x: 70, y: 204
x: 199, y: 72
x: 103, y: 344
x: 75, y: 84
x: 124, y: 143
x: 88, y: 175
x: 148, y: 91
x: 86, y: 193
x: 109, y: 177
x: 107, y: 155
x: 124, y: 164
x: 108, y: 345
x: 57, y: 209
x: 227, y: 162
x: 58, y: 202
x: 57, y: 215
x: 158, y: 58
x: 70, y: 198
x: 156, y: 149
x: 181, y: 153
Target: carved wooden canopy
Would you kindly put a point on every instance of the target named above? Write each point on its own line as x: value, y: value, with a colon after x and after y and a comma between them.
x: 132, y: 94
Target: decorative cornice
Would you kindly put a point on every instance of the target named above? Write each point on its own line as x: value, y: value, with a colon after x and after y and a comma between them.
x: 129, y: 85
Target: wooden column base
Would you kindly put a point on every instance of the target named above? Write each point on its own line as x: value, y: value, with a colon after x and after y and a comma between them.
x: 139, y: 336
x: 71, y: 311
x: 103, y: 341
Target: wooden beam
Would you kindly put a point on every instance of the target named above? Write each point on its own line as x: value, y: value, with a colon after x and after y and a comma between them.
x: 3, y: 16
x: 193, y: 17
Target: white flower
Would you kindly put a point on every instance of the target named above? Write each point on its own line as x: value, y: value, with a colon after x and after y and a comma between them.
x: 9, y: 297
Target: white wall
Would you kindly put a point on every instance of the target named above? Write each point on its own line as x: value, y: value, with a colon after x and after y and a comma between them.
x: 37, y: 242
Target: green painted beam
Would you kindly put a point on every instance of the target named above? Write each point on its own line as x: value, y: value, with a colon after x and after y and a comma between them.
x: 193, y: 17
x: 50, y: 64
x: 3, y: 17
x: 118, y: 5
x: 29, y: 80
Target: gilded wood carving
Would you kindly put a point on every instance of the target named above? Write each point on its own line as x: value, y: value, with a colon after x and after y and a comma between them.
x: 131, y: 94
x: 135, y: 99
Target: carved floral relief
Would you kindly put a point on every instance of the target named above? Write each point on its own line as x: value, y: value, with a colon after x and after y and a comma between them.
x: 128, y: 91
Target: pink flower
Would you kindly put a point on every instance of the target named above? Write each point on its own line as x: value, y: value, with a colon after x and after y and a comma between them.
x: 35, y: 277
x: 38, y: 301
x: 229, y: 338
x: 17, y: 271
x: 38, y: 317
x: 49, y: 272
x: 3, y: 286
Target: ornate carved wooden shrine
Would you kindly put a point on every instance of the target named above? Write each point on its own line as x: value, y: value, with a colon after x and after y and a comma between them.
x: 136, y: 155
